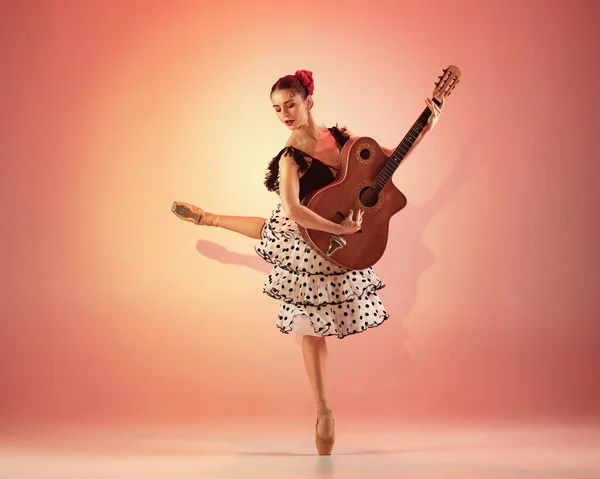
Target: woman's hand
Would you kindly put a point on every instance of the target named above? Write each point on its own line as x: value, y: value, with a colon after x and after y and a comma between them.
x: 351, y: 224
x: 436, y: 112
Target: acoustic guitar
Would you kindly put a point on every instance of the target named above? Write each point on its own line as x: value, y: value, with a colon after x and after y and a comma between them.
x: 363, y: 182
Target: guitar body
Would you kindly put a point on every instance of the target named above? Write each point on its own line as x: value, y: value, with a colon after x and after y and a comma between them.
x: 361, y: 161
x: 363, y: 183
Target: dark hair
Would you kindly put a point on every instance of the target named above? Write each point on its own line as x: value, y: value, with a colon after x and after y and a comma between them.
x: 301, y: 83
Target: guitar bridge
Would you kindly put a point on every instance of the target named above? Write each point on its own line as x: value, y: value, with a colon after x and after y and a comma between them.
x: 335, y: 242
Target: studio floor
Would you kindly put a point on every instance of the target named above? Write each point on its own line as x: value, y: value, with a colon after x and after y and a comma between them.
x: 272, y: 450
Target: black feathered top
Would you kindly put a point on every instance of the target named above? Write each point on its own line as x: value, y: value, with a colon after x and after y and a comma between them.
x: 316, y: 174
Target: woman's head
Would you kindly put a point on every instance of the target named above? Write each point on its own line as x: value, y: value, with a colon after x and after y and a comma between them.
x: 291, y: 97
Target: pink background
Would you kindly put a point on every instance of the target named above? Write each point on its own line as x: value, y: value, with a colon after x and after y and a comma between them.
x: 113, y: 310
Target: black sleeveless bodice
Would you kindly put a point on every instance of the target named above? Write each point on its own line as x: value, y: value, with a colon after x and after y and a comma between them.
x: 316, y: 174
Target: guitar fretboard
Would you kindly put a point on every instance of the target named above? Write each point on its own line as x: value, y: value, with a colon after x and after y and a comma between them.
x: 402, y: 150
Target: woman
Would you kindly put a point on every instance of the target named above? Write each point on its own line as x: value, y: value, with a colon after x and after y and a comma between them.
x: 317, y: 298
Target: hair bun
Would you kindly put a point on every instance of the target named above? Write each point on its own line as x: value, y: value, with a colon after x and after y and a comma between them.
x: 306, y: 78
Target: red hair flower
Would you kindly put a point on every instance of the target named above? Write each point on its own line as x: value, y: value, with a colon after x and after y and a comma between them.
x: 306, y: 78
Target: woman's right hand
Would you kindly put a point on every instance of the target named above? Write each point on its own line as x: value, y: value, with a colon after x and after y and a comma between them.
x: 352, y: 223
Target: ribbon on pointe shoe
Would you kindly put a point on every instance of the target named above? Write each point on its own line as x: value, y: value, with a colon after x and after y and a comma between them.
x: 207, y: 219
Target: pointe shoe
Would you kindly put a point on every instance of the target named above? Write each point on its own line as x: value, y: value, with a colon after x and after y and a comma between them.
x: 324, y: 445
x: 194, y: 214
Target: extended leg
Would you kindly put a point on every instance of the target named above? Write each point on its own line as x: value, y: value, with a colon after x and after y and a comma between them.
x: 246, y: 225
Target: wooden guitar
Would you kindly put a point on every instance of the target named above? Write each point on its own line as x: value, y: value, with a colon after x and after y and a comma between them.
x: 363, y: 182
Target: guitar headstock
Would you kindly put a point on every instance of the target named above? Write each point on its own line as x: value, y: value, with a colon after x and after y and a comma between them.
x: 446, y: 83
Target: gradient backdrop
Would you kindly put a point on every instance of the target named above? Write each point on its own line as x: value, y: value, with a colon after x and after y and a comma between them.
x: 113, y: 310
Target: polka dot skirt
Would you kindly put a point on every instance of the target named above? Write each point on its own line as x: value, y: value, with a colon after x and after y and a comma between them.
x: 317, y: 298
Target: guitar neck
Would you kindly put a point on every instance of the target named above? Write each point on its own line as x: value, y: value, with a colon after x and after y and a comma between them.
x: 403, y: 148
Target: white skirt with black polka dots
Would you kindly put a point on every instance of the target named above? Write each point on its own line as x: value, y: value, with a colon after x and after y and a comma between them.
x: 317, y: 298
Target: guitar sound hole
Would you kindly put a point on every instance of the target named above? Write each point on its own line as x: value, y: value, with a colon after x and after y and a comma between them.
x: 368, y: 197
x: 365, y: 154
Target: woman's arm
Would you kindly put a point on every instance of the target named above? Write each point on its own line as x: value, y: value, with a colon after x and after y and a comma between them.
x: 289, y: 192
x: 388, y: 151
x: 436, y: 112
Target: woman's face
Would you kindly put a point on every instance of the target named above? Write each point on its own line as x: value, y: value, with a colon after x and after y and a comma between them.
x: 290, y: 108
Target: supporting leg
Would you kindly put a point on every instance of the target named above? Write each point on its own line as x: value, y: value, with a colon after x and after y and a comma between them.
x: 314, y: 351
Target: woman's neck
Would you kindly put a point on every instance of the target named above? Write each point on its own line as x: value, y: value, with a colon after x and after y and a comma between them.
x: 309, y: 132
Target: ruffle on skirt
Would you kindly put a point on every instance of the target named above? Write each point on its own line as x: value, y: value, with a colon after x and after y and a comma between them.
x: 316, y: 297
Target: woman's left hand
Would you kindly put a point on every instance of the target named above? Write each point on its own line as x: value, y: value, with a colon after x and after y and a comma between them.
x: 436, y: 112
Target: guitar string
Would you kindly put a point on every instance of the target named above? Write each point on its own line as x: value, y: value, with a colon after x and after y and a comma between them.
x: 385, y: 174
